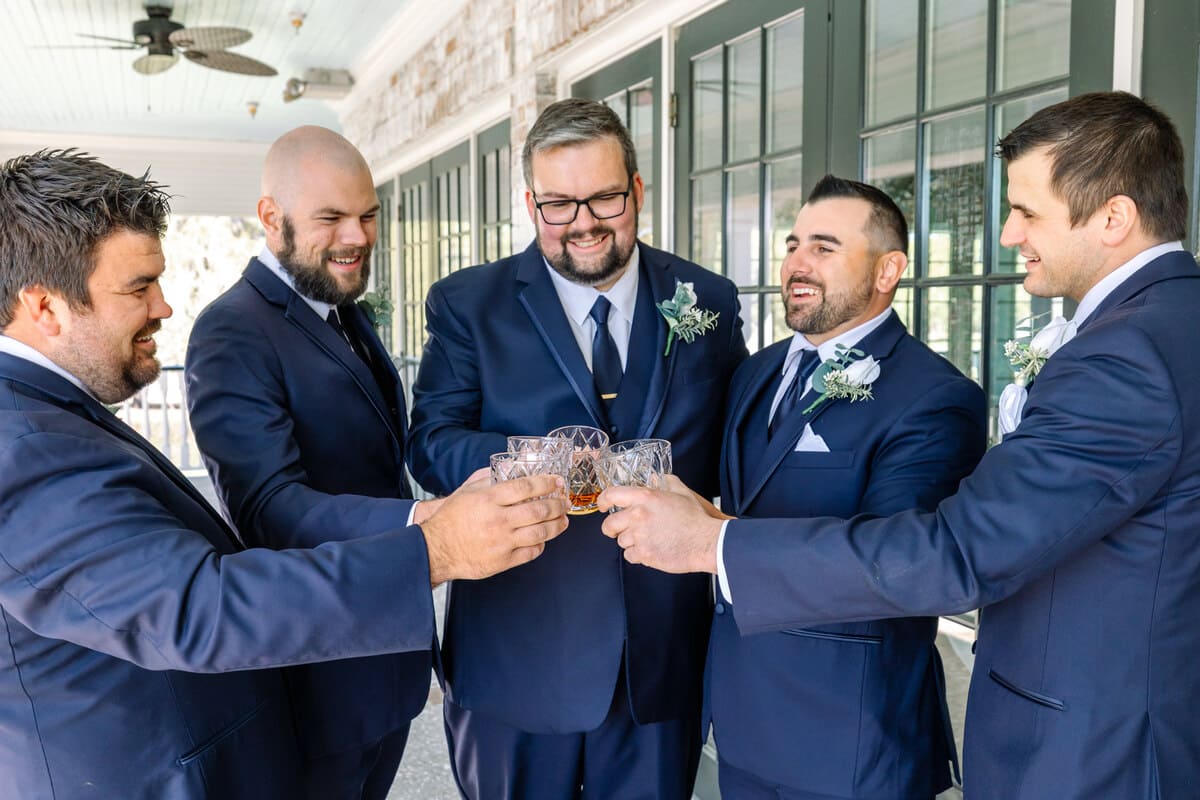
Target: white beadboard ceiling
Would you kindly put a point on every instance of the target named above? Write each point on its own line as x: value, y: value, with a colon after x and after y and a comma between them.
x: 190, y: 124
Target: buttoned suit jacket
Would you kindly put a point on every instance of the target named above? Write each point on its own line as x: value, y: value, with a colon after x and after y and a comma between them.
x: 539, y: 646
x: 852, y: 710
x: 140, y: 637
x: 1077, y: 535
x: 304, y: 446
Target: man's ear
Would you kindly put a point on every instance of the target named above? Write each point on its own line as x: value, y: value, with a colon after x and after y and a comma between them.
x: 271, y: 217
x: 889, y: 268
x: 41, y: 309
x: 1121, y: 219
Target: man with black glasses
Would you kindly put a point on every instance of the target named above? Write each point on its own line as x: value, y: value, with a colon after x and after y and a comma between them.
x: 578, y: 669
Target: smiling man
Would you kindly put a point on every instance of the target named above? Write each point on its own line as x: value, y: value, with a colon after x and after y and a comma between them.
x: 581, y: 670
x: 1076, y: 535
x: 300, y: 415
x: 141, y: 637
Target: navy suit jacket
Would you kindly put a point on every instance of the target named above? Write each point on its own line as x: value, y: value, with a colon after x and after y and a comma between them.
x: 304, y: 447
x: 118, y: 582
x: 540, y: 646
x: 1077, y: 535
x: 852, y: 710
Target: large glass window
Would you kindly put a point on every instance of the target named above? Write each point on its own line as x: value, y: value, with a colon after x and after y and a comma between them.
x: 416, y: 256
x: 745, y: 146
x: 452, y: 209
x: 943, y: 80
x: 385, y: 258
x: 495, y: 193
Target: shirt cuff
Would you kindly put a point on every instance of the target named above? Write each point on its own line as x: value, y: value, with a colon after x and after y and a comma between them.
x: 412, y: 512
x: 722, y: 577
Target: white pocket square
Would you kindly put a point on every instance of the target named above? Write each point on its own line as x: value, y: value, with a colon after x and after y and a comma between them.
x: 810, y: 442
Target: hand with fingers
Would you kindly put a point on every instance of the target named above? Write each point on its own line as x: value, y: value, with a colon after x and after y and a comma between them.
x: 672, y: 530
x: 482, y: 529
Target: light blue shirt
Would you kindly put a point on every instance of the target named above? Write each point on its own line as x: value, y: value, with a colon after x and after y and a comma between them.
x: 577, y: 301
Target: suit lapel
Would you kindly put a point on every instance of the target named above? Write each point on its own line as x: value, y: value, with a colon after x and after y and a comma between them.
x: 879, y: 343
x: 69, y: 397
x: 387, y: 378
x: 652, y: 369
x: 741, y: 416
x: 300, y: 314
x: 540, y: 301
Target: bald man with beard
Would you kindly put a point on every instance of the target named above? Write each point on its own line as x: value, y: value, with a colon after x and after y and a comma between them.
x: 300, y: 415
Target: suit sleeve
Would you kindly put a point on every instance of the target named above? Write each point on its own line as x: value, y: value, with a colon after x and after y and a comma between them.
x: 240, y: 415
x: 91, y: 555
x: 1076, y: 469
x: 445, y: 444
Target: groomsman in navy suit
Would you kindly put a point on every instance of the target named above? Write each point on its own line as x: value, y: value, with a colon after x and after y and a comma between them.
x: 141, y: 636
x: 577, y: 669
x: 853, y: 710
x: 1076, y: 535
x: 300, y: 416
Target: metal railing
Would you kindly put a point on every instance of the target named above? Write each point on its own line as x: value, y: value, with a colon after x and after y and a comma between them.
x: 159, y: 413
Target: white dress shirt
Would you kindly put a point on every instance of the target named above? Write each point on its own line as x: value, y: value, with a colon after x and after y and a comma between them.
x: 825, y: 351
x: 1105, y: 286
x: 577, y: 301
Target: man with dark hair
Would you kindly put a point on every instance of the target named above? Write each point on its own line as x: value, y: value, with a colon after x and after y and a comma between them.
x: 854, y: 710
x: 578, y: 670
x: 141, y: 635
x: 1076, y: 534
x: 300, y: 415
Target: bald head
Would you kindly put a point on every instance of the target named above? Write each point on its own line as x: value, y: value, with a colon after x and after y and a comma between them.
x: 300, y: 155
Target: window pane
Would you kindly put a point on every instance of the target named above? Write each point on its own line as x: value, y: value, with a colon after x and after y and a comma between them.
x: 1033, y: 41
x: 751, y: 302
x: 707, y: 111
x: 784, y: 201
x: 953, y: 318
x: 891, y: 69
x: 957, y: 61
x: 903, y: 304
x: 1012, y: 306
x: 776, y: 323
x: 505, y: 182
x: 744, y: 230
x: 487, y: 195
x: 745, y: 91
x: 617, y: 103
x: 955, y: 162
x: 641, y: 130
x: 785, y: 72
x: 707, y: 231
x: 1009, y: 116
x: 890, y: 163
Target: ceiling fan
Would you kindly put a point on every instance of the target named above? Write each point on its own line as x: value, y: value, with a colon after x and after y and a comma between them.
x: 164, y: 40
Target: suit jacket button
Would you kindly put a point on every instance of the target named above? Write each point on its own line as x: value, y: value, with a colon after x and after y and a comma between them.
x: 614, y: 430
x: 720, y: 608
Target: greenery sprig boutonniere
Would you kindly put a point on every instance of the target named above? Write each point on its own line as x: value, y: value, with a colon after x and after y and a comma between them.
x: 377, y: 306
x: 846, y: 376
x: 684, y: 319
x: 1028, y: 358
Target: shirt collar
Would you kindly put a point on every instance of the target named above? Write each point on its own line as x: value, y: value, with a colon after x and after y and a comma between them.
x: 577, y: 300
x: 828, y: 349
x: 1095, y: 296
x: 21, y: 350
x: 269, y: 261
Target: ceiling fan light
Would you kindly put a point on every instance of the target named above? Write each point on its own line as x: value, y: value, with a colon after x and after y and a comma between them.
x: 294, y: 89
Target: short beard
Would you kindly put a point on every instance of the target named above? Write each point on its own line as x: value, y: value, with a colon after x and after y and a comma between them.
x: 114, y: 387
x: 613, y: 263
x: 314, y: 281
x: 831, y: 312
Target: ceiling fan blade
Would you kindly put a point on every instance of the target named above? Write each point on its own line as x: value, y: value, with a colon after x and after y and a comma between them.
x: 209, y: 38
x: 109, y: 39
x: 84, y: 47
x: 229, y: 62
x: 154, y: 63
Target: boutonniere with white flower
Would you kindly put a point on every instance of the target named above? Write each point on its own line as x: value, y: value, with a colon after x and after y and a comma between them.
x: 377, y: 306
x: 846, y: 376
x: 1028, y: 357
x: 684, y: 319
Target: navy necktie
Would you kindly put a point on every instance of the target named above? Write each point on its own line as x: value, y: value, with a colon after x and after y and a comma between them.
x: 606, y: 361
x: 806, y: 366
x: 335, y: 322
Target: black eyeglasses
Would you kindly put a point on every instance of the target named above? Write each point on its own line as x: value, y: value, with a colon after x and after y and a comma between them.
x: 601, y: 206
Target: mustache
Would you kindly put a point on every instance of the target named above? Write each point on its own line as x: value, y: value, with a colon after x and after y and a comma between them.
x: 806, y: 282
x: 154, y: 327
x: 349, y: 252
x: 599, y: 230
